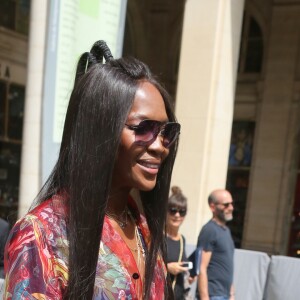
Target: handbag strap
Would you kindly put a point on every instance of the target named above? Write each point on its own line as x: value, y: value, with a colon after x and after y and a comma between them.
x: 179, y: 260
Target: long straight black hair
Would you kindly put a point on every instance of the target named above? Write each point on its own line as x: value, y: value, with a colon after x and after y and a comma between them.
x: 100, y: 102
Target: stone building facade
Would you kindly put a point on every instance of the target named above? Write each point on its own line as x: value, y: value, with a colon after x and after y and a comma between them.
x: 233, y: 69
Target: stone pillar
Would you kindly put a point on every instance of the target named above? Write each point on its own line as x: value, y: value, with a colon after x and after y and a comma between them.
x: 204, y: 103
x: 30, y: 181
x: 270, y: 197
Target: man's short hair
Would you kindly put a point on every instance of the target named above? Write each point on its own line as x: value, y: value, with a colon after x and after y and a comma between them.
x: 212, y: 199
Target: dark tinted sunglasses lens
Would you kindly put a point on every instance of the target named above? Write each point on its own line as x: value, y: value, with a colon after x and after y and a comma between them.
x: 147, y: 131
x: 170, y: 134
x: 182, y: 212
x: 173, y: 210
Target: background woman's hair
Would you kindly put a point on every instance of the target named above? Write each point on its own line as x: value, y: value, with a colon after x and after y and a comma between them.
x: 176, y: 190
x: 99, y: 105
x: 177, y: 198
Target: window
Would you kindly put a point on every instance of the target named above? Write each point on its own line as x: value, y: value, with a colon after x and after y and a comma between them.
x: 11, y: 126
x: 240, y: 157
x: 294, y: 247
x: 15, y: 111
x: 2, y: 106
x: 14, y: 15
x: 251, y: 51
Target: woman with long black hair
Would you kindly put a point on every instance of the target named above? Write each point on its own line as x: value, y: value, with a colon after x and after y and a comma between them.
x: 85, y: 237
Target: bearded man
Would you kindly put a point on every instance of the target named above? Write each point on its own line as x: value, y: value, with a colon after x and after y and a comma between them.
x: 215, y: 281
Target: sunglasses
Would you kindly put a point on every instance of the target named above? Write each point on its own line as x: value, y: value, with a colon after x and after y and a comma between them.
x: 174, y: 210
x: 226, y: 205
x: 147, y: 131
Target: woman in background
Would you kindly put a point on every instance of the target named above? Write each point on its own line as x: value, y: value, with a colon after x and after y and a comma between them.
x: 4, y: 230
x: 85, y: 238
x: 177, y: 209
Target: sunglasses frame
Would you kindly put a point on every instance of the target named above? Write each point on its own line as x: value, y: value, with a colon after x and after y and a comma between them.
x: 226, y: 204
x: 174, y: 210
x: 161, y: 126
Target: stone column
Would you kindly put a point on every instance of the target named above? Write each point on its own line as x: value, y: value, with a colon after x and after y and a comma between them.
x: 205, y: 101
x: 270, y: 195
x: 30, y: 177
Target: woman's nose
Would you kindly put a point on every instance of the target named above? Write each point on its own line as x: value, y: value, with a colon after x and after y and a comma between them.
x: 157, y: 144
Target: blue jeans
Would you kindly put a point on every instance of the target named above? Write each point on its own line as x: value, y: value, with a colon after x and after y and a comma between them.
x: 218, y: 298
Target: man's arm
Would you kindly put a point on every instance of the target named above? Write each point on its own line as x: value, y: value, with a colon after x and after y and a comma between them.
x: 202, y: 278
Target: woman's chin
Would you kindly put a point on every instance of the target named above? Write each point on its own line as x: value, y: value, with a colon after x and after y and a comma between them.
x: 147, y: 186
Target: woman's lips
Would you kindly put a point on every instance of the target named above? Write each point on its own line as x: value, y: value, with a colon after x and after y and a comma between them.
x: 149, y: 167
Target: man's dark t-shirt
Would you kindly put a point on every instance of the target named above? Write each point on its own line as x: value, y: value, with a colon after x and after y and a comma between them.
x: 217, y: 239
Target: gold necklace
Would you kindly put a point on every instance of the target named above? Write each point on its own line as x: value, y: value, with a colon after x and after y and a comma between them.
x: 139, y: 244
x: 141, y: 253
x: 137, y: 241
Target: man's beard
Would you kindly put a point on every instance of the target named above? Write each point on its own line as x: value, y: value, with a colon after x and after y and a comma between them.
x: 224, y: 217
x: 228, y: 217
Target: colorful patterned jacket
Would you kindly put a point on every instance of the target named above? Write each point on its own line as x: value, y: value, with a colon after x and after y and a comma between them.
x: 36, y: 259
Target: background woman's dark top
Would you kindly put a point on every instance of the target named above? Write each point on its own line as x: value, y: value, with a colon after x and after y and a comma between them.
x: 173, y: 248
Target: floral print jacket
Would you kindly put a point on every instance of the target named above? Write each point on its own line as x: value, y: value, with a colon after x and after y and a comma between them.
x: 36, y: 259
